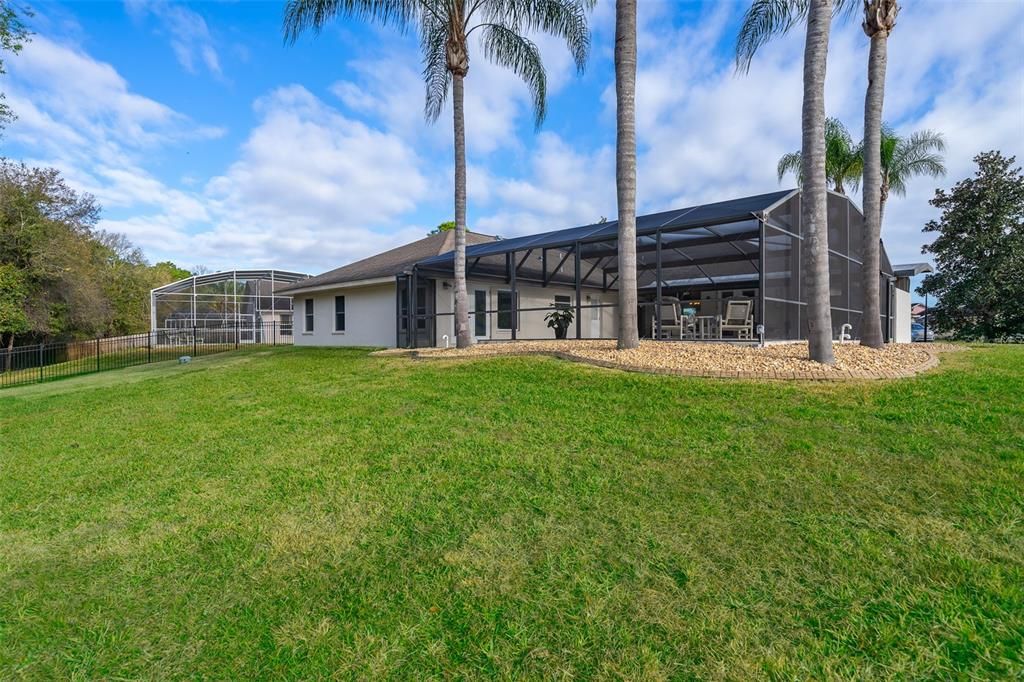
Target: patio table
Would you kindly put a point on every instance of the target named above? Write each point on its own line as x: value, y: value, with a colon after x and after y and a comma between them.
x: 704, y: 326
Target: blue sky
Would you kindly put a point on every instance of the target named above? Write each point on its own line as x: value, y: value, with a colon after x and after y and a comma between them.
x: 209, y: 142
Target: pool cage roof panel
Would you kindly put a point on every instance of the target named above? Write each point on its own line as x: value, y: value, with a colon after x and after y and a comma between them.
x: 187, y: 284
x: 706, y: 223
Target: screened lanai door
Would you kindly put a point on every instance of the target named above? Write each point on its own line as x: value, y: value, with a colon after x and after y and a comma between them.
x: 420, y: 317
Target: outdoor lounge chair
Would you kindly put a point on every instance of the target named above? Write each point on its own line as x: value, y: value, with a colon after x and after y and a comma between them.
x: 671, y: 326
x: 739, y: 318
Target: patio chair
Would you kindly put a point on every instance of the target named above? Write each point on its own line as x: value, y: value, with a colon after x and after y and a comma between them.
x: 670, y: 321
x: 739, y: 318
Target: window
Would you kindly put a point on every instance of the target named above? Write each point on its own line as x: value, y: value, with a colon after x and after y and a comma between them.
x: 286, y: 324
x: 563, y: 302
x: 339, y: 313
x: 309, y: 316
x: 480, y: 308
x: 505, y: 309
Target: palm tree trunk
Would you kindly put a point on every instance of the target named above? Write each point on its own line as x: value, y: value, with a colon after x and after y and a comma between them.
x: 881, y: 205
x: 463, y: 338
x: 814, y: 202
x: 625, y: 167
x: 871, y: 323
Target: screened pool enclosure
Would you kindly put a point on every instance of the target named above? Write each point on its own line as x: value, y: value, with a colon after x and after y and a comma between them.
x: 235, y: 299
x: 692, y: 263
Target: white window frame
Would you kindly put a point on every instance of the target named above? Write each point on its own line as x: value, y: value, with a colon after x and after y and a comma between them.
x: 308, y: 316
x: 343, y: 314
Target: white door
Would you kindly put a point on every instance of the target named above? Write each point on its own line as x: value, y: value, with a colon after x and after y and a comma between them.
x: 595, y: 317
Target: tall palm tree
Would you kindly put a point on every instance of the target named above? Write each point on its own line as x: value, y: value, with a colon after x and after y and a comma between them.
x: 843, y: 160
x: 625, y: 167
x: 764, y: 20
x: 879, y: 21
x: 445, y: 27
x: 904, y: 158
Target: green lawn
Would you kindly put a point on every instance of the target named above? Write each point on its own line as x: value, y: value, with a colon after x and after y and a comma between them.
x: 311, y: 513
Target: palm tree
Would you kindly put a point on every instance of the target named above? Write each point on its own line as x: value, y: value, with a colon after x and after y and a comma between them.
x: 764, y: 20
x: 445, y: 27
x: 625, y: 167
x: 843, y: 160
x: 904, y: 158
x: 879, y: 21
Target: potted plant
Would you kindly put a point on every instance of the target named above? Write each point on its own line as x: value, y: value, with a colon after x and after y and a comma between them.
x: 559, y: 320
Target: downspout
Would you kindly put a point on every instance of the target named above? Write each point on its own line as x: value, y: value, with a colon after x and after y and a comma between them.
x: 761, y: 279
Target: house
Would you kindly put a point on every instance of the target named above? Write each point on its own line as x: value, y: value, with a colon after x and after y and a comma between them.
x: 356, y: 304
x: 691, y: 260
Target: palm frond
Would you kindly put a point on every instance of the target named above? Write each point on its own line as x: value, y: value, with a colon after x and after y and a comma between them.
x: 921, y: 154
x: 566, y: 19
x: 303, y: 15
x: 843, y: 160
x: 505, y: 47
x: 764, y: 20
x: 433, y: 41
x: 790, y: 163
x: 768, y: 19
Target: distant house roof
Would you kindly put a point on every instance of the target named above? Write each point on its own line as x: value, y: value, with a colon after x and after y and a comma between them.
x: 389, y: 263
x: 911, y: 269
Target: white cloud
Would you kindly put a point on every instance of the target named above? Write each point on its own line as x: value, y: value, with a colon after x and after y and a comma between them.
x: 312, y: 183
x: 320, y: 181
x: 706, y: 133
x: 309, y: 187
x: 187, y: 31
x: 388, y: 87
x: 566, y: 188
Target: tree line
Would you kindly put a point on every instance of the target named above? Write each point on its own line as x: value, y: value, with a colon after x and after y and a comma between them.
x: 60, y: 276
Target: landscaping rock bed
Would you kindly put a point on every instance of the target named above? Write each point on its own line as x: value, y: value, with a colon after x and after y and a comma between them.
x: 776, y: 361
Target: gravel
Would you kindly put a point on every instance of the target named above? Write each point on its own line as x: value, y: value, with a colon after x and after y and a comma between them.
x: 776, y: 361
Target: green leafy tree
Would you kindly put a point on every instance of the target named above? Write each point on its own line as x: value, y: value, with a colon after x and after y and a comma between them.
x: 979, y: 252
x: 763, y: 21
x: 166, y: 272
x: 46, y: 233
x: 445, y: 27
x: 446, y: 226
x: 13, y: 36
x: 13, y: 321
x: 843, y: 160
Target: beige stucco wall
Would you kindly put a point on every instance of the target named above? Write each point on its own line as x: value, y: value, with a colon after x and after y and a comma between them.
x: 595, y: 322
x: 370, y: 314
x: 369, y: 317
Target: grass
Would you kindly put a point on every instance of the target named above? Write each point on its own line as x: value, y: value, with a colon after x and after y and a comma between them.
x: 322, y: 513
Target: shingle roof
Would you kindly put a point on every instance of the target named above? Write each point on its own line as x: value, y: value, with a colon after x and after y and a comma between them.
x: 390, y: 263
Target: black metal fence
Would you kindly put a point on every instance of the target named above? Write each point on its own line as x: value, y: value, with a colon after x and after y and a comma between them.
x: 48, y: 361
